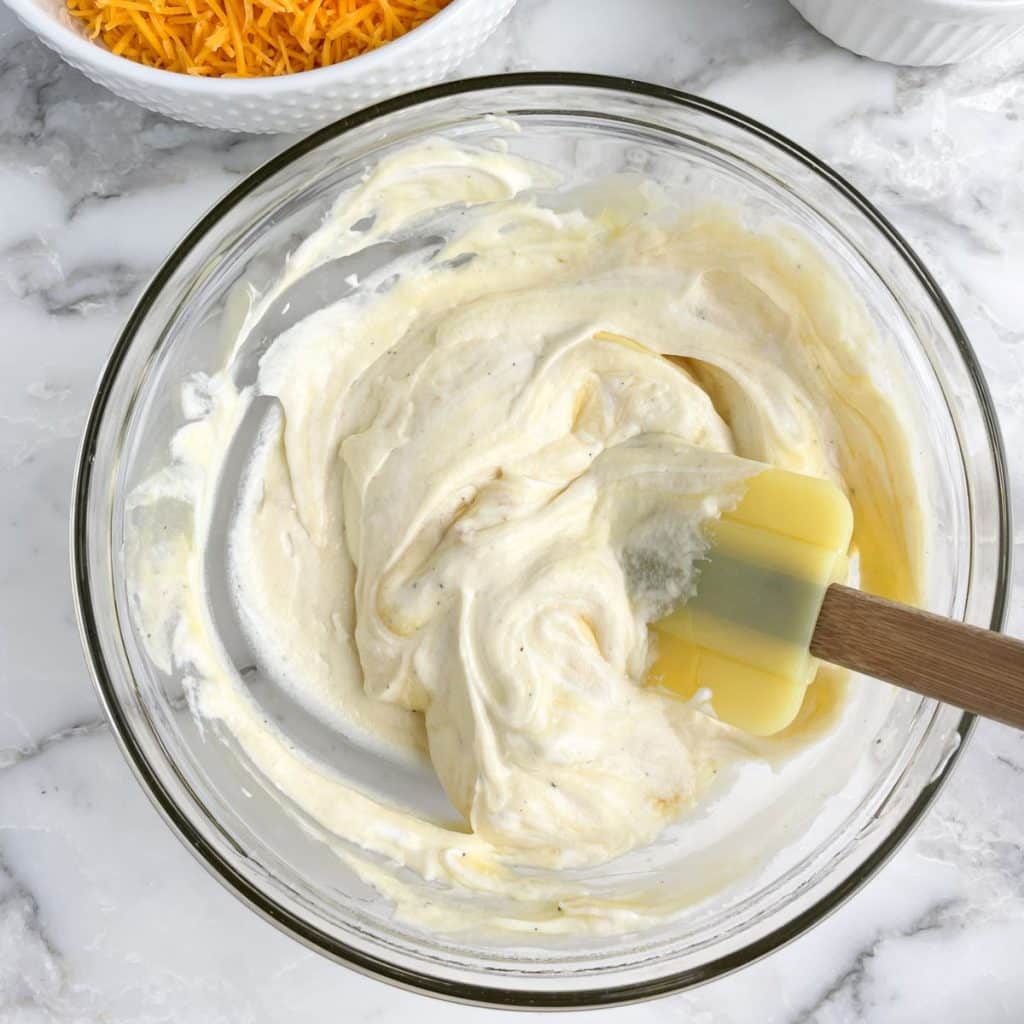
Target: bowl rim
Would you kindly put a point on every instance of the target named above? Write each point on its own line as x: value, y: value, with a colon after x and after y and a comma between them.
x: 474, y: 993
x: 1000, y: 11
x: 50, y: 27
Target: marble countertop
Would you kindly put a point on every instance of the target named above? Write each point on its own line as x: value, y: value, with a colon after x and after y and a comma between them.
x: 104, y: 916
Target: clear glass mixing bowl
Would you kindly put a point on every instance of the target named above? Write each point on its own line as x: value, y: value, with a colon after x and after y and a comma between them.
x: 587, y: 127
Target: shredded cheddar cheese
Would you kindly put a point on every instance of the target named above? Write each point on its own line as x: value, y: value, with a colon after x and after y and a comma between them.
x: 248, y: 38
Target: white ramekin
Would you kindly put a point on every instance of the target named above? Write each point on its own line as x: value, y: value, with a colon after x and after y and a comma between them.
x: 287, y: 103
x: 916, y: 32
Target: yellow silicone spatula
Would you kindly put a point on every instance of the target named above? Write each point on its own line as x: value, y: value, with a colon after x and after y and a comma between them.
x: 767, y: 609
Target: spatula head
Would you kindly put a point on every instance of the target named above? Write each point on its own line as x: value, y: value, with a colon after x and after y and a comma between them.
x: 745, y: 634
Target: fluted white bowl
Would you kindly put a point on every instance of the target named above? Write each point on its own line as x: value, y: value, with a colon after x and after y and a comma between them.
x: 916, y: 32
x: 286, y: 103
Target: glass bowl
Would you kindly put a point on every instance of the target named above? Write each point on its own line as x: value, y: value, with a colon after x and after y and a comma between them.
x: 586, y: 127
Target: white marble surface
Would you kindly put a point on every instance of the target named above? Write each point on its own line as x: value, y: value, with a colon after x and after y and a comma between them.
x: 103, y: 915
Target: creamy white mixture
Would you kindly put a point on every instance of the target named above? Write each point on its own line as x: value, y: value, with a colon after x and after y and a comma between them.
x: 444, y: 542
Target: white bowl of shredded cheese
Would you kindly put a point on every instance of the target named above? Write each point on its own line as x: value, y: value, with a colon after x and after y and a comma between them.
x: 293, y: 102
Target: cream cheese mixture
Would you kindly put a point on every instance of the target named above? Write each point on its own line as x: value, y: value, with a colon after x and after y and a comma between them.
x: 444, y: 537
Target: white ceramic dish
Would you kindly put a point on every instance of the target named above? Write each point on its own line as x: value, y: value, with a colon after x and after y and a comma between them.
x: 916, y: 32
x: 288, y: 103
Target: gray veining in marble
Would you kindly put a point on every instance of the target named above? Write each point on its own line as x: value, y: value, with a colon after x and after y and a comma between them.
x: 103, y: 914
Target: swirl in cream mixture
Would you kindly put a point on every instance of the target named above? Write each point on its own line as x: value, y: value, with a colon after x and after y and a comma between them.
x: 445, y: 537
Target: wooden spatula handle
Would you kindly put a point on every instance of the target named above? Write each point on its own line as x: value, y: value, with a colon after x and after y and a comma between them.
x: 973, y: 668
